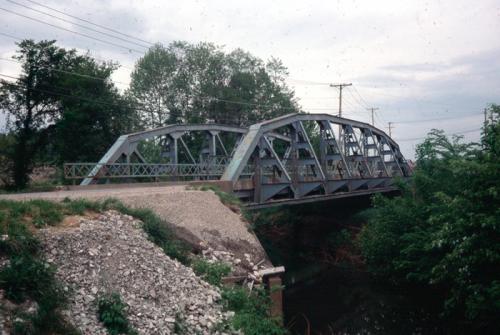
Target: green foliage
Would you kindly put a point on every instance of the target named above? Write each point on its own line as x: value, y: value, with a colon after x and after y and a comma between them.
x: 39, y: 212
x: 27, y: 275
x: 251, y: 311
x: 196, y: 83
x: 443, y: 232
x: 112, y: 313
x: 339, y: 239
x: 56, y: 115
x: 7, y: 142
x: 212, y: 272
x: 180, y: 326
x: 80, y: 206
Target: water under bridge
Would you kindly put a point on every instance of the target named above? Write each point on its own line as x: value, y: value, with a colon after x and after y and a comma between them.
x: 290, y: 159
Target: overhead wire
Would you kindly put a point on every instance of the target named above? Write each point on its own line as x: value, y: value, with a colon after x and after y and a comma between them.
x: 187, y: 95
x: 453, y: 133
x: 72, y: 31
x: 359, y: 100
x: 93, y: 56
x: 67, y: 72
x: 78, y: 25
x: 437, y: 119
x: 359, y: 95
x: 92, y: 23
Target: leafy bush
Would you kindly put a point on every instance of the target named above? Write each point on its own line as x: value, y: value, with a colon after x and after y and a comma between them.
x: 27, y: 277
x: 443, y: 232
x: 251, y: 311
x: 111, y: 311
x: 211, y: 272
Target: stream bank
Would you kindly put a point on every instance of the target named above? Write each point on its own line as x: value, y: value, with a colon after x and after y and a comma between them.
x: 327, y: 288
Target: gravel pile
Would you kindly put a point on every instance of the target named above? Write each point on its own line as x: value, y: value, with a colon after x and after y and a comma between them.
x: 111, y: 253
x: 196, y: 216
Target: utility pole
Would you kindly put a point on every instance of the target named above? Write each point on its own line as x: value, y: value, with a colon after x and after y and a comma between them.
x: 485, y: 116
x: 373, y: 109
x: 390, y: 128
x: 340, y: 87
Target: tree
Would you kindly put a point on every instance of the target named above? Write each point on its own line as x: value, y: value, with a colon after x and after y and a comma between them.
x: 201, y: 83
x: 29, y: 102
x: 444, y: 231
x: 64, y: 102
x: 153, y: 85
x: 93, y: 113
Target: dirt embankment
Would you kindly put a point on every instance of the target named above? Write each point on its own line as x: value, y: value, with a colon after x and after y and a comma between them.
x: 197, y: 217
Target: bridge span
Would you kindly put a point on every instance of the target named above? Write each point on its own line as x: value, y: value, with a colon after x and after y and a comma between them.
x: 291, y: 159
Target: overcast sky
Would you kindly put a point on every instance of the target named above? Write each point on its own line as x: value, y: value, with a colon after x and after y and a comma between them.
x: 414, y: 60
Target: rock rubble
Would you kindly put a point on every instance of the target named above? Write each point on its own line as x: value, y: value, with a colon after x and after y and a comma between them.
x: 111, y: 253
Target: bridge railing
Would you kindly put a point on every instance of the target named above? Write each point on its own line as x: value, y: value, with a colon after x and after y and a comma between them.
x: 146, y: 170
x: 140, y: 170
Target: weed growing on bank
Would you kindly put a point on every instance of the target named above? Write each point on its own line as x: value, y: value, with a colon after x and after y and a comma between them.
x: 27, y: 277
x: 251, y: 312
x: 211, y: 272
x: 112, y: 313
x: 230, y: 200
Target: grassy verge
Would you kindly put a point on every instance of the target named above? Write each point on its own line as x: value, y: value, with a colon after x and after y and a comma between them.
x: 27, y: 278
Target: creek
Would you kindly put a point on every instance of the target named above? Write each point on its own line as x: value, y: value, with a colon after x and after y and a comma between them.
x: 328, y: 290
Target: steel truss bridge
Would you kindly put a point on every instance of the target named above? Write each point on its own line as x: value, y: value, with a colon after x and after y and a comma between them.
x: 291, y: 159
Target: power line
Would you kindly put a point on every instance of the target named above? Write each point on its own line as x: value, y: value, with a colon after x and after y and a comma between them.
x: 308, y: 82
x: 11, y: 36
x: 78, y: 25
x: 93, y: 56
x: 358, y: 101
x: 186, y: 95
x: 454, y: 133
x: 67, y: 72
x: 92, y: 23
x: 362, y: 99
x: 440, y: 119
x: 72, y: 31
x: 67, y: 95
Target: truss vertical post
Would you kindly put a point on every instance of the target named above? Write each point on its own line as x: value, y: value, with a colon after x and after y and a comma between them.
x: 257, y: 177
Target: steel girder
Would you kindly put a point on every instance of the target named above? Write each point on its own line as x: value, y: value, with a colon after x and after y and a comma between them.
x: 361, y: 157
